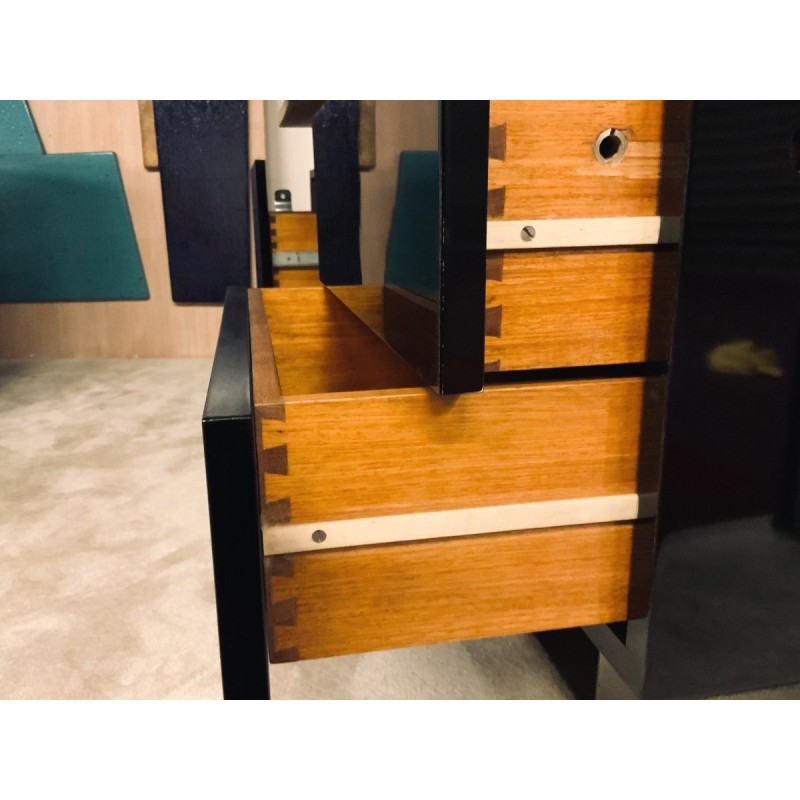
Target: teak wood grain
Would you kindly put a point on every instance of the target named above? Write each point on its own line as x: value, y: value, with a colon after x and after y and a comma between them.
x: 263, y: 366
x: 569, y: 308
x: 370, y: 598
x: 362, y: 439
x: 545, y: 166
x: 296, y: 278
x: 294, y: 231
x: 320, y: 347
x: 393, y: 451
x: 147, y: 125
x: 366, y: 302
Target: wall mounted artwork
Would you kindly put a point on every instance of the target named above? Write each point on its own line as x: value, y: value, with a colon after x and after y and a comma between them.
x: 203, y: 161
x: 18, y: 134
x: 66, y: 232
x: 337, y: 191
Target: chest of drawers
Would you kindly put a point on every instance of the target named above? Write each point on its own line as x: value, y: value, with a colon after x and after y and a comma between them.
x: 389, y: 515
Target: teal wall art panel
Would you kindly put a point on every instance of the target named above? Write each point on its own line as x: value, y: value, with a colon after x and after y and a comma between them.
x: 18, y: 134
x: 65, y: 230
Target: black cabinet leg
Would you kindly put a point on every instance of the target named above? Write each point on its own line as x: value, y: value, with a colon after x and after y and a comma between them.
x: 233, y: 502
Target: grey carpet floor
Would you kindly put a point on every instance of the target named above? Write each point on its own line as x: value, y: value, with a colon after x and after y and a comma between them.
x: 107, y: 589
x: 106, y: 586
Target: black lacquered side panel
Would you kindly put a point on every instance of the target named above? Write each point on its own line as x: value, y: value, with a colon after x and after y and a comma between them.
x: 725, y: 613
x: 464, y: 137
x: 232, y: 483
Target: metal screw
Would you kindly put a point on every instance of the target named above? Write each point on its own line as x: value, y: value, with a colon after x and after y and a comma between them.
x: 527, y: 233
x: 319, y: 536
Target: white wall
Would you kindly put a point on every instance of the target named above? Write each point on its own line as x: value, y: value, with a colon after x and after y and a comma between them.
x: 290, y: 158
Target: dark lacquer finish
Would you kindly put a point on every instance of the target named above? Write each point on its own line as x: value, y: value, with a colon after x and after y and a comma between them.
x: 464, y: 137
x: 232, y: 483
x: 261, y: 223
x: 202, y: 156
x: 725, y: 614
x: 337, y: 192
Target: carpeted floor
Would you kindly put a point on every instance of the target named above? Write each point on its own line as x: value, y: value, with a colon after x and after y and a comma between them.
x: 107, y: 589
x: 106, y: 586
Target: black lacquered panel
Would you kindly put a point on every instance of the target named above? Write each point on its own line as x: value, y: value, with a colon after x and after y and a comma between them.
x: 738, y: 317
x: 261, y: 223
x: 726, y: 602
x: 229, y: 443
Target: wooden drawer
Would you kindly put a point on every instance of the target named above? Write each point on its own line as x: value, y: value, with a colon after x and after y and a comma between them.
x: 363, y: 469
x: 574, y: 308
x: 346, y: 431
x: 293, y: 231
x: 296, y: 278
x: 371, y: 598
x: 542, y: 162
x: 582, y: 261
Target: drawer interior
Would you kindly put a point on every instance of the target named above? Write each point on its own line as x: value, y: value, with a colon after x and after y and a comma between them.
x: 321, y: 347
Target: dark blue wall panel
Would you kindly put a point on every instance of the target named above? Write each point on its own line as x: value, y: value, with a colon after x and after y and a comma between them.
x: 202, y: 154
x: 337, y: 192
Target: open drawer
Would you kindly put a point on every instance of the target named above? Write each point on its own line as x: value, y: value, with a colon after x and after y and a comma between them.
x: 393, y: 516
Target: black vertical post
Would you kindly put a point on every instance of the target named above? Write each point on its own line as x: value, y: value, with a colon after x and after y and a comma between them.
x: 464, y: 145
x: 337, y: 192
x: 261, y: 223
x: 233, y: 502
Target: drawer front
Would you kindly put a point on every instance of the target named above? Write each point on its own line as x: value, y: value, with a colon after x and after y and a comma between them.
x: 294, y: 278
x: 294, y: 231
x: 393, y: 451
x: 574, y: 308
x: 371, y: 598
x: 542, y: 161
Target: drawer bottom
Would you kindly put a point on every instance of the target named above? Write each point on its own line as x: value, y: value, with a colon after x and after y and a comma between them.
x: 361, y: 599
